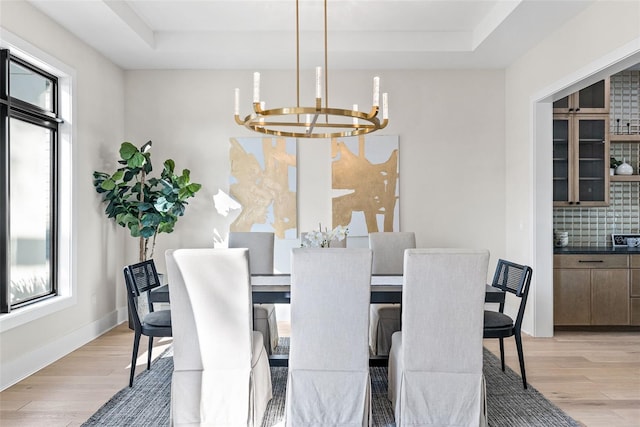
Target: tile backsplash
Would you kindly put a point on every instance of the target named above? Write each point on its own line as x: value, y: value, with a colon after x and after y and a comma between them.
x: 594, y: 226
x: 625, y: 102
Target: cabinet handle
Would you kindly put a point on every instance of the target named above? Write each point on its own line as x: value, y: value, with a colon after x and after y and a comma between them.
x: 590, y: 261
x: 570, y: 109
x: 577, y: 203
x: 577, y: 109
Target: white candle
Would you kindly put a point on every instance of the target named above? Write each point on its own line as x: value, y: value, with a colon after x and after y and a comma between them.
x: 318, y: 84
x: 385, y: 106
x: 355, y: 119
x: 308, y: 119
x: 262, y: 105
x: 376, y: 91
x: 236, y: 108
x: 256, y: 87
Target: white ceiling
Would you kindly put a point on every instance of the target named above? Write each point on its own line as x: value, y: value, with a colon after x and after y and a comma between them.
x: 362, y: 34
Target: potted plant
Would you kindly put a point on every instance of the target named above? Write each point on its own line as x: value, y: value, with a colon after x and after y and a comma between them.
x: 145, y: 205
x: 613, y: 164
x: 323, y: 239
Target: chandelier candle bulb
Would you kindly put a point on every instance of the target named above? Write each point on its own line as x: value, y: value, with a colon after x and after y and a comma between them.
x: 385, y: 106
x: 376, y: 91
x: 256, y: 87
x: 318, y: 84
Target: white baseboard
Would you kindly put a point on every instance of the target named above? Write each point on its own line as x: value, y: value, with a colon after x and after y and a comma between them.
x: 16, y: 370
x: 123, y: 315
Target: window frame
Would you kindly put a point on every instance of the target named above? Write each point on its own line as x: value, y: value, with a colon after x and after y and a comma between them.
x: 12, y: 108
x: 67, y: 227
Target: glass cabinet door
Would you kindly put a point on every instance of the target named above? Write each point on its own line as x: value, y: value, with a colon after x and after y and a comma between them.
x: 580, y: 160
x: 561, y: 160
x: 561, y: 105
x: 593, y: 159
x: 592, y: 99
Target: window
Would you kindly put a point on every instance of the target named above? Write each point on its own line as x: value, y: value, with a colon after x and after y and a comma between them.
x: 28, y: 183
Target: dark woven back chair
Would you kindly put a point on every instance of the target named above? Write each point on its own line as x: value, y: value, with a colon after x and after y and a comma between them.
x: 513, y: 278
x: 141, y: 279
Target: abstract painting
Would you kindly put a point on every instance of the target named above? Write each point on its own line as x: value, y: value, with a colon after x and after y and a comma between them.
x: 263, y: 182
x: 364, y: 184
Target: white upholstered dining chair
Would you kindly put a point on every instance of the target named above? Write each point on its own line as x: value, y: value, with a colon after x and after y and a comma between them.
x: 388, y: 258
x: 260, y: 245
x: 328, y: 381
x: 435, y: 363
x: 221, y: 373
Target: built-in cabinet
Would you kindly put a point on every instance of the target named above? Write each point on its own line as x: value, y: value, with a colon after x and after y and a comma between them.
x: 592, y: 99
x: 581, y: 147
x: 596, y: 290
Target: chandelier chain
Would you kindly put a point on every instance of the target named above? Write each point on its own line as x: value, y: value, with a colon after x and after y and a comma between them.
x: 302, y: 122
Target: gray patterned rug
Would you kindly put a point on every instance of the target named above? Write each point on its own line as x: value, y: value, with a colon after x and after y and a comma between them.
x: 509, y: 405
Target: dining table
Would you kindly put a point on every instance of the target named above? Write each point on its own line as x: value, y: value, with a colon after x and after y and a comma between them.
x: 385, y: 288
x: 276, y: 289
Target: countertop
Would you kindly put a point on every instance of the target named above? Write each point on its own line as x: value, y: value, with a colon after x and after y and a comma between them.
x: 596, y: 250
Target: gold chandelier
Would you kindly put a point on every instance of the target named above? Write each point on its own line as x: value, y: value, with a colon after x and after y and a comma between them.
x: 312, y: 122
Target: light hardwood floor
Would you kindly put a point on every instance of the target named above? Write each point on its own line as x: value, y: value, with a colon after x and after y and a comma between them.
x: 593, y: 376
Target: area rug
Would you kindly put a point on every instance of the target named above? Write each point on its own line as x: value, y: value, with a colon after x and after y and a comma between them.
x: 508, y: 404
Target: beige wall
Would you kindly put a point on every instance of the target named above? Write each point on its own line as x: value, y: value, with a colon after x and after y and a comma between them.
x: 600, y: 41
x: 98, y: 121
x: 450, y: 126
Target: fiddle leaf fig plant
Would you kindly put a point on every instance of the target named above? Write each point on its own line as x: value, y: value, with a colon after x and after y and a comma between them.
x: 145, y: 205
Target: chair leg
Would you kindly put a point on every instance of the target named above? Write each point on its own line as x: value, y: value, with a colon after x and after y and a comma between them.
x: 521, y: 358
x: 134, y: 356
x: 149, y: 353
x: 502, y: 353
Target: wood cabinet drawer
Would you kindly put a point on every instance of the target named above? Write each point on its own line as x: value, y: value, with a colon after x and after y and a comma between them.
x: 635, y: 261
x: 591, y: 261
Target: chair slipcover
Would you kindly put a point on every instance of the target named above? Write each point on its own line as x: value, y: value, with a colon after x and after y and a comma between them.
x: 435, y: 363
x: 260, y: 245
x: 328, y: 381
x: 221, y: 374
x: 388, y: 258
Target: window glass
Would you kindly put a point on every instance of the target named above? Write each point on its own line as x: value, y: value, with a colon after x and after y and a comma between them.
x: 31, y: 87
x: 30, y: 210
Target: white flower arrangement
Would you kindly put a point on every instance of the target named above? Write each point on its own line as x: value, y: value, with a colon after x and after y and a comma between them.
x: 322, y: 239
